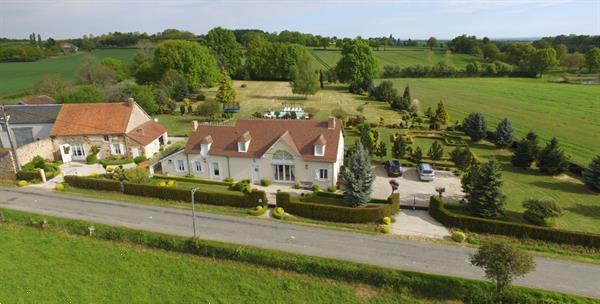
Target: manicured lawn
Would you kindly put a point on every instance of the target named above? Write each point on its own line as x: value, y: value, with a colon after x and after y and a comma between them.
x: 569, y: 112
x: 18, y: 77
x: 400, y: 56
x: 43, y: 266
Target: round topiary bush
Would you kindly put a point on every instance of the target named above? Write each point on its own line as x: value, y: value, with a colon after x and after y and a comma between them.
x: 22, y: 183
x: 385, y: 228
x: 59, y: 187
x: 109, y: 169
x: 458, y: 236
x: 316, y: 188
x: 278, y: 213
x: 258, y: 210
x: 162, y: 184
x: 171, y: 183
x: 91, y: 159
x: 387, y: 220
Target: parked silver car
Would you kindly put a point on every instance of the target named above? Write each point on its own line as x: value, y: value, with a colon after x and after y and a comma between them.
x: 425, y: 172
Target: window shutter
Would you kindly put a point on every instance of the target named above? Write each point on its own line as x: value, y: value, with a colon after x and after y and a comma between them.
x: 122, y: 146
x: 112, y: 149
x: 317, y: 174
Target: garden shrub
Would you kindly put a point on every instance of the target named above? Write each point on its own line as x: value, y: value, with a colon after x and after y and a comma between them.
x: 481, y: 225
x: 116, y: 162
x: 458, y: 236
x: 162, y: 184
x: 225, y: 182
x: 229, y: 180
x: 137, y: 175
x: 139, y: 159
x: 296, y: 185
x: 92, y: 183
x: 387, y: 220
x: 91, y: 159
x: 258, y: 210
x: 22, y: 183
x: 385, y: 228
x: 315, y: 188
x: 265, y: 182
x: 59, y: 187
x: 331, y: 189
x: 28, y: 175
x: 278, y: 213
x: 170, y: 183
x: 375, y: 212
x: 541, y: 212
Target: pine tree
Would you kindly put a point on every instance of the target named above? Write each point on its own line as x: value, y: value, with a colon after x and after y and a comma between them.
x: 591, y: 175
x: 406, y: 96
x: 475, y: 126
x: 485, y: 196
x: 504, y: 133
x: 468, y: 179
x: 429, y: 113
x: 552, y: 160
x: 357, y: 177
x: 226, y: 92
x: 441, y: 115
x: 436, y: 151
x: 462, y: 158
x: 381, y: 150
x: 398, y: 146
x: 526, y: 151
x: 366, y: 137
x: 417, y: 155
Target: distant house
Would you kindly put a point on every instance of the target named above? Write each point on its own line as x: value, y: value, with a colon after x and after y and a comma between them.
x: 68, y: 47
x: 37, y: 100
x: 28, y: 123
x: 285, y: 151
x: 119, y: 130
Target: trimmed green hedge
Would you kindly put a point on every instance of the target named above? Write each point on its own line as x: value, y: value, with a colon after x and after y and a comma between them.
x: 29, y: 175
x: 193, y: 180
x: 430, y: 285
x: 51, y: 171
x: 93, y: 183
x: 482, y: 225
x: 116, y: 162
x: 372, y: 213
x: 233, y: 199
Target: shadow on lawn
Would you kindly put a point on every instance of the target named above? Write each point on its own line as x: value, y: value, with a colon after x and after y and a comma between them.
x: 563, y: 186
x: 585, y: 210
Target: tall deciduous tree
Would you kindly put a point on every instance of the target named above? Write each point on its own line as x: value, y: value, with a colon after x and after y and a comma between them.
x: 552, y: 160
x: 357, y: 178
x: 432, y: 42
x: 475, y: 126
x: 592, y: 57
x: 305, y: 80
x: 226, y: 92
x: 193, y: 61
x: 485, y: 190
x: 504, y: 133
x: 357, y: 65
x: 227, y: 50
x: 502, y: 263
x: 575, y: 61
x: 591, y: 175
x: 542, y: 60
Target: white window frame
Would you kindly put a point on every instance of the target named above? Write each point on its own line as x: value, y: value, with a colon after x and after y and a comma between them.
x: 77, y: 147
x: 317, y: 150
x: 179, y: 165
x: 198, y: 166
x: 242, y: 146
x: 106, y: 138
x: 320, y: 174
x: 117, y: 149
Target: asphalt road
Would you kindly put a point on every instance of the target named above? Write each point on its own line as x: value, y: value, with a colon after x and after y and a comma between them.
x: 565, y: 276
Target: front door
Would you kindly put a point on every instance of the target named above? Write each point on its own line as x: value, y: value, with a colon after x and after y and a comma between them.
x: 284, y: 173
x: 255, y: 174
x: 65, y: 153
x: 77, y: 151
x: 135, y: 152
x: 215, y: 170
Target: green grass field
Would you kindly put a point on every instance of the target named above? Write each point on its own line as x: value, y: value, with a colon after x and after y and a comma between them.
x: 569, y: 112
x: 18, y: 77
x: 403, y: 56
x: 43, y: 266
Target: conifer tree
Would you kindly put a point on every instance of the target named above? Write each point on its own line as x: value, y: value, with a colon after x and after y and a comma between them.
x: 226, y: 92
x: 441, y: 115
x: 406, y: 96
x: 462, y: 158
x: 398, y: 146
x: 485, y: 197
x: 429, y: 113
x: 468, y: 179
x: 475, y: 126
x: 416, y: 156
x: 436, y: 151
x: 504, y: 133
x: 591, y: 175
x: 381, y: 150
x: 357, y: 177
x: 552, y: 160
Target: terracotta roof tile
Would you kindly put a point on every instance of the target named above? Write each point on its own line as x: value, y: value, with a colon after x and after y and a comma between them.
x: 147, y: 132
x: 300, y: 135
x: 321, y: 140
x: 92, y: 119
x: 245, y: 137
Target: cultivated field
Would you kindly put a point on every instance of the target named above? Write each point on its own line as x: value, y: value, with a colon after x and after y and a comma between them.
x: 18, y: 77
x: 42, y: 266
x: 401, y: 56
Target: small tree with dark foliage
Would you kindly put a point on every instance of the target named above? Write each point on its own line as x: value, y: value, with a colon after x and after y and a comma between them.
x: 552, y: 160
x: 591, y: 175
x: 475, y: 126
x: 504, y: 133
x: 485, y: 190
x: 526, y: 152
x: 436, y: 151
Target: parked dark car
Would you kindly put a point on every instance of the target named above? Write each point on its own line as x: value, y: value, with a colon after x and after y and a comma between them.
x: 393, y: 168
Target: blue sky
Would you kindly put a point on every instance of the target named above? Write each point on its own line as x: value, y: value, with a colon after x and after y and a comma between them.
x: 403, y: 18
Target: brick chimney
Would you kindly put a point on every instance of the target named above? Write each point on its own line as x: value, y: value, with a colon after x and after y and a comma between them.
x: 130, y: 101
x: 331, y: 123
x: 194, y: 125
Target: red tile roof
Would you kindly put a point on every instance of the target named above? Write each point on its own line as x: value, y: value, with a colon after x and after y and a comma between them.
x: 92, y: 119
x: 300, y: 135
x: 147, y: 132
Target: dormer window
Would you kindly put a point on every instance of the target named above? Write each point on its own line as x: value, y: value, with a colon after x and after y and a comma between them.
x: 320, y: 146
x: 319, y: 150
x: 244, y: 141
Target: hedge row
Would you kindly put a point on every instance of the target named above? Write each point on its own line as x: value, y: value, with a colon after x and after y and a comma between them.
x: 292, y: 205
x: 29, y: 175
x: 192, y: 180
x: 481, y: 225
x: 430, y: 285
x: 93, y: 183
x: 233, y: 199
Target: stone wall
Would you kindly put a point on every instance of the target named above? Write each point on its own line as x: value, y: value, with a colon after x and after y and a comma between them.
x: 44, y: 148
x: 7, y: 164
